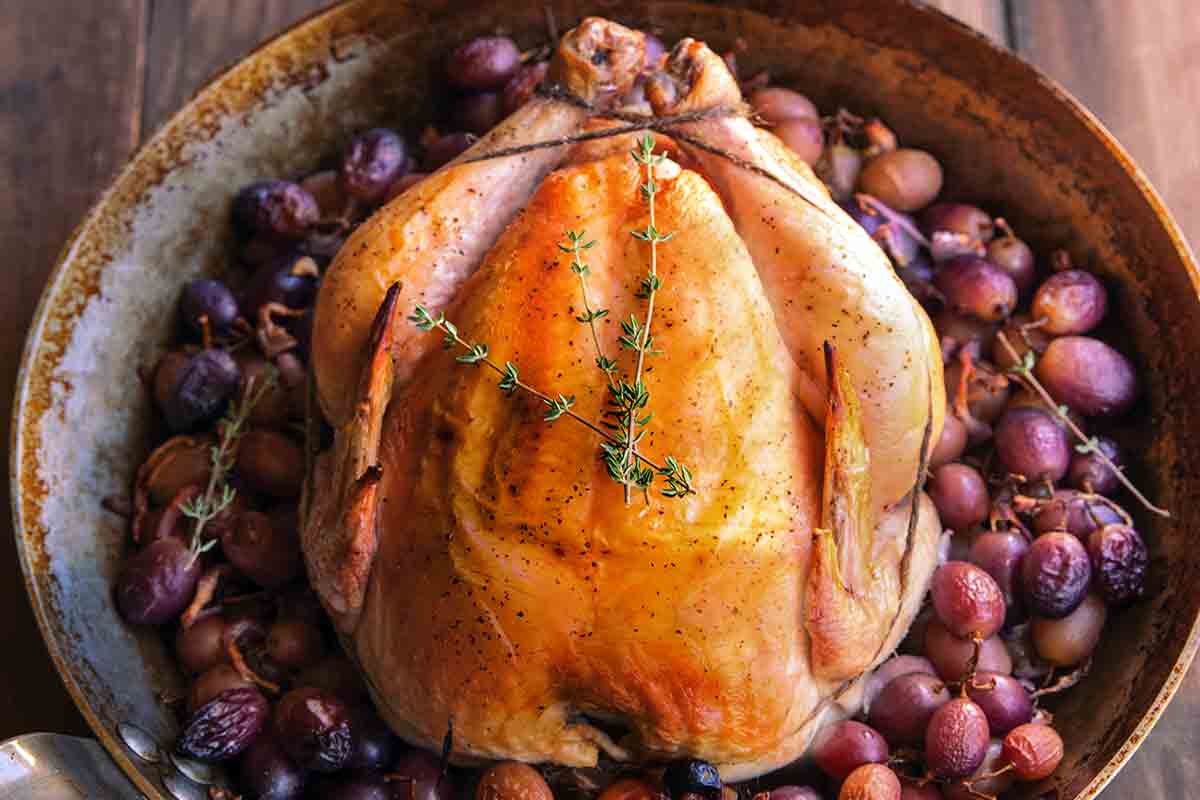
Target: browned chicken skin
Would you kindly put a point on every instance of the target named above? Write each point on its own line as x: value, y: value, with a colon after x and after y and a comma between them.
x: 479, y: 561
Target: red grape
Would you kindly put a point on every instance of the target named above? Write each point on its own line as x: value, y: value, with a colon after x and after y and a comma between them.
x: 275, y: 209
x: 1068, y: 641
x: 485, y: 63
x: 972, y: 285
x: 995, y: 785
x: 1088, y: 471
x: 1074, y: 512
x: 960, y: 494
x: 1031, y: 444
x: 1003, y: 699
x: 1055, y: 574
x: 157, y: 582
x: 776, y: 105
x: 1088, y: 375
x: 1070, y: 302
x: 374, y: 160
x: 314, y: 728
x: 1015, y: 258
x: 267, y: 772
x: 891, y: 669
x: 420, y: 774
x: 901, y: 712
x: 202, y: 646
x: 967, y: 600
x: 968, y: 220
x: 1034, y: 751
x: 951, y: 444
x: 956, y: 740
x: 999, y: 554
x: 871, y: 782
x: 952, y: 655
x: 512, y: 780
x: 904, y: 179
x: 843, y: 746
x: 1119, y: 560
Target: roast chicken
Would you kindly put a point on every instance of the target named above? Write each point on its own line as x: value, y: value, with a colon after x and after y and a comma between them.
x: 481, y: 565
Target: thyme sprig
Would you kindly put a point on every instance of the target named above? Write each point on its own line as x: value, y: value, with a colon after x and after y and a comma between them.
x: 629, y: 399
x: 1023, y: 371
x: 589, y: 316
x: 218, y: 495
x: 678, y: 478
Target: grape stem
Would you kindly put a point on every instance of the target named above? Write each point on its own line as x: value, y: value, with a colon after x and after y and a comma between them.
x: 1024, y: 373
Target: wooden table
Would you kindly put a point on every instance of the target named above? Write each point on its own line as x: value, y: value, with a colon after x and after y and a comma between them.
x: 83, y: 82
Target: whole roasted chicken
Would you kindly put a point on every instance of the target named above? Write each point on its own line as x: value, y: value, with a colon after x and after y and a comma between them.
x: 482, y: 565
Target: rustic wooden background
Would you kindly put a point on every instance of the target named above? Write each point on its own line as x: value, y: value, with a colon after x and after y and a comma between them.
x: 83, y: 82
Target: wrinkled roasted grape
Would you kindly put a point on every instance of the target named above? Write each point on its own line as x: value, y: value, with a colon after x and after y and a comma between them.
x: 956, y: 740
x: 1034, y: 751
x: 209, y: 300
x: 1022, y: 337
x: 314, y: 728
x: 478, y: 113
x: 999, y: 554
x: 374, y: 160
x: 484, y: 63
x: 1119, y: 561
x: 1055, y: 574
x: 951, y: 444
x: 157, y: 582
x: 1070, y: 302
x: 264, y: 549
x: 213, y: 682
x: 1088, y: 375
x: 973, y: 285
x: 1074, y: 512
x: 275, y: 209
x: 289, y: 281
x: 871, y: 782
x: 966, y: 333
x: 905, y: 179
x: 891, y: 669
x: 902, y: 711
x: 225, y: 725
x: 967, y: 600
x: 1031, y: 444
x: 267, y: 773
x: 512, y: 780
x: 843, y: 746
x: 372, y: 743
x: 1068, y: 641
x: 294, y: 643
x: 993, y: 785
x: 803, y: 136
x: 271, y: 463
x: 952, y: 655
x: 776, y: 104
x: 692, y: 776
x: 197, y: 389
x: 1015, y: 258
x: 1004, y: 701
x: 522, y: 85
x: 960, y: 494
x: 202, y: 646
x: 971, y: 221
x: 1089, y: 472
x: 420, y: 777
x: 445, y: 149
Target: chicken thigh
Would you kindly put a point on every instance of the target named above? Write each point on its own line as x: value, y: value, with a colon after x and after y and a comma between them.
x: 482, y: 566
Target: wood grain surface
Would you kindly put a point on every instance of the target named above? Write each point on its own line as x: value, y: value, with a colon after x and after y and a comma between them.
x: 83, y: 83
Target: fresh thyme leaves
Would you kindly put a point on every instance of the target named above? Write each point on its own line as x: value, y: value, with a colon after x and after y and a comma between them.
x: 589, y: 315
x: 677, y: 476
x: 1023, y: 371
x: 218, y: 494
x: 628, y: 400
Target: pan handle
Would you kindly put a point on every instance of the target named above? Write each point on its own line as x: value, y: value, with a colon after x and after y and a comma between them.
x: 51, y: 766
